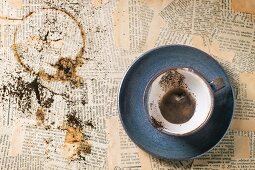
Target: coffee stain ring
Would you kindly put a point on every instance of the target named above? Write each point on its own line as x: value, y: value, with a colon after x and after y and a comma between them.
x: 70, y: 64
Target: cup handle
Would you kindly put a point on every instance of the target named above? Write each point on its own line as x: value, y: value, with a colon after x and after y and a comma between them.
x: 217, y: 84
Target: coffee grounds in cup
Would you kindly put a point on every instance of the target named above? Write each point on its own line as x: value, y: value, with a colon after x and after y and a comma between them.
x: 177, y: 105
x: 172, y: 79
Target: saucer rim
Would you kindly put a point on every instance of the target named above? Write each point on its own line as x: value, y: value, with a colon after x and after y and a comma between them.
x: 141, y: 57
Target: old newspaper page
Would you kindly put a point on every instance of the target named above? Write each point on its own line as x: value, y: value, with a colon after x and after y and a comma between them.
x: 62, y: 62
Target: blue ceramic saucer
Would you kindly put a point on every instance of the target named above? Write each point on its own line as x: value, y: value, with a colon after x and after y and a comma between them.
x: 133, y: 112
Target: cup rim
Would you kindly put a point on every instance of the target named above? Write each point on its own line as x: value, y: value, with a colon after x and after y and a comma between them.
x: 190, y: 69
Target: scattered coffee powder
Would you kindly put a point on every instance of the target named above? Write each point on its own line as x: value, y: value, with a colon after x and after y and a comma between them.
x: 75, y: 138
x: 23, y: 92
x: 74, y: 121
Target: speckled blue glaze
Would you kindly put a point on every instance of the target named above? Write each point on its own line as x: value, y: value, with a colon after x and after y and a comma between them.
x: 135, y: 118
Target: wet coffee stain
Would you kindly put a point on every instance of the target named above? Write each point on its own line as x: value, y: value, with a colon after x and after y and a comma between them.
x: 76, y: 145
x: 40, y: 116
x: 66, y: 68
x: 177, y: 106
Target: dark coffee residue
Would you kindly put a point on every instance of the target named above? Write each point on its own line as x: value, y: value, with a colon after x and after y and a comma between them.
x: 172, y: 79
x: 75, y: 121
x: 177, y: 106
x: 90, y: 123
x: 34, y: 85
x: 84, y: 102
x: 23, y: 91
x: 156, y: 123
